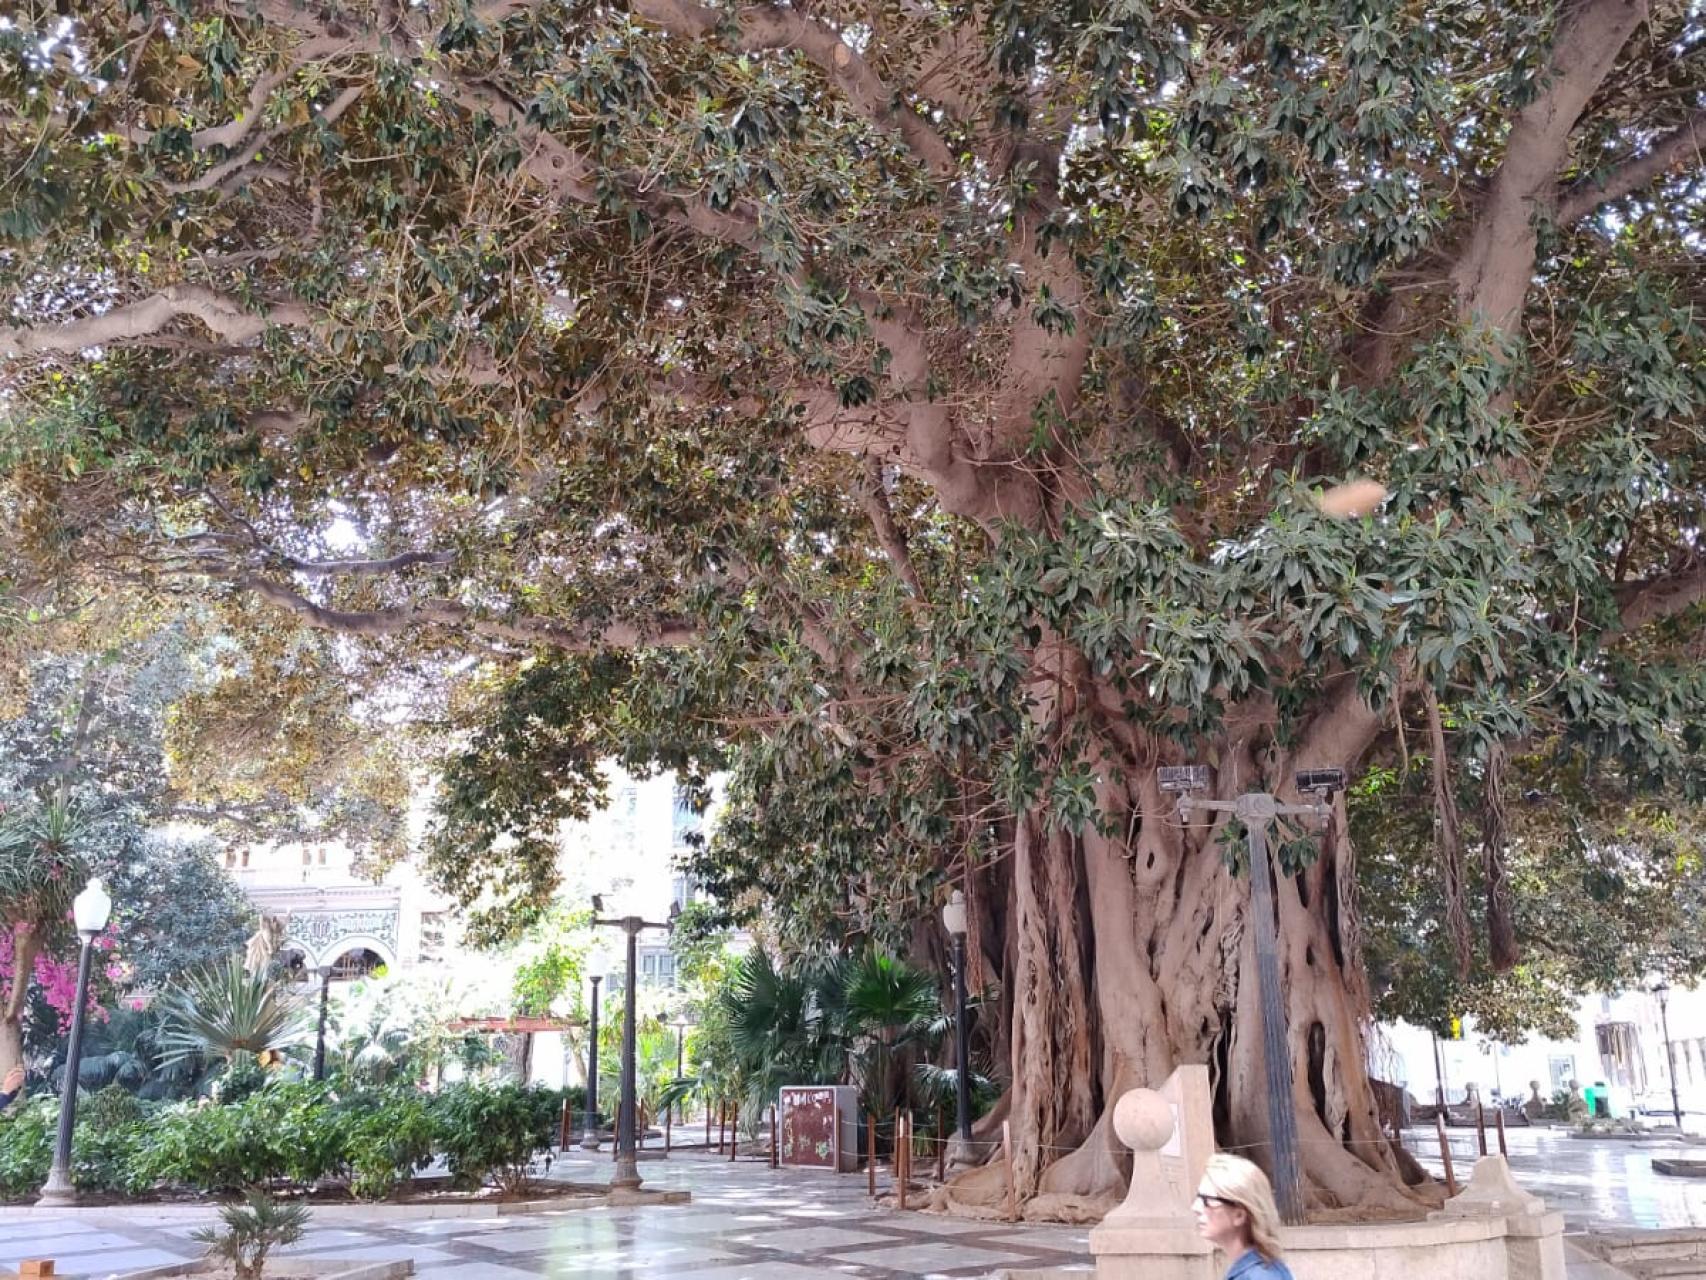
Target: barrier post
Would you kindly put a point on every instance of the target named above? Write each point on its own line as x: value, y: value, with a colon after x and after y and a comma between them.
x: 1445, y: 1154
x: 871, y: 1153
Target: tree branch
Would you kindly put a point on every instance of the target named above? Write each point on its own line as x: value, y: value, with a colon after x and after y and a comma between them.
x: 366, y: 568
x: 1674, y: 149
x: 224, y: 315
x: 220, y: 174
x: 1493, y: 275
x: 318, y: 48
x: 1653, y: 599
x: 1342, y: 731
x: 451, y: 614
x: 766, y: 27
x: 874, y: 498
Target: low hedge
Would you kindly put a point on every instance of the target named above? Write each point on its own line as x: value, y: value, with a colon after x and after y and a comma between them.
x: 289, y: 1135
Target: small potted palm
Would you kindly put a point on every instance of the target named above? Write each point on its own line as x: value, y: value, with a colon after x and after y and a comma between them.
x: 252, y: 1230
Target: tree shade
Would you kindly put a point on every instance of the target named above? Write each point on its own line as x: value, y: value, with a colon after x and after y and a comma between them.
x: 921, y: 408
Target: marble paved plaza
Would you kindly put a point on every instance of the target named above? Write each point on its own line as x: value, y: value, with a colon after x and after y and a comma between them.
x: 745, y: 1223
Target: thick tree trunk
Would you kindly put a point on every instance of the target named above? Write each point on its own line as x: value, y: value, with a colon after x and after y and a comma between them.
x: 11, y: 1044
x: 26, y: 946
x: 1133, y: 953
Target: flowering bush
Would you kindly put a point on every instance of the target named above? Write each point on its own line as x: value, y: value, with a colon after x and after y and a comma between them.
x: 57, y: 978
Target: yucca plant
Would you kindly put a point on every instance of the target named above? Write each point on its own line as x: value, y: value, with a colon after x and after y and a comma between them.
x: 224, y: 1012
x: 252, y: 1230
x: 43, y: 863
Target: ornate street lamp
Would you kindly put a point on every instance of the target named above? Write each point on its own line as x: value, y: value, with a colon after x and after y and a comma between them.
x: 589, y: 1139
x: 1255, y: 809
x: 954, y: 920
x: 90, y: 910
x: 627, y: 1175
x: 1662, y: 990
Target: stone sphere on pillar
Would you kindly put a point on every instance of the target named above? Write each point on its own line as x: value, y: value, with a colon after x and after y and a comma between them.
x: 1144, y: 1120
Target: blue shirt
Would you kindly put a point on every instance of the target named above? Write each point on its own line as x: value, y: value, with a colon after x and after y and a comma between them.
x: 1252, y: 1266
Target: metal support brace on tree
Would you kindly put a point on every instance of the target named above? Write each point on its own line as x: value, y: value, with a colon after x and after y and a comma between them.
x: 1256, y: 809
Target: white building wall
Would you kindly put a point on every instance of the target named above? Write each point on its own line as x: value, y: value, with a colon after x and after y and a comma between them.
x: 1637, y: 1073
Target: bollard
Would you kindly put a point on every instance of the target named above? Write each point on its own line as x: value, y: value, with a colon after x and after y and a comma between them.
x: 902, y: 1175
x: 1481, y: 1126
x: 775, y: 1139
x: 668, y: 1119
x: 871, y: 1154
x: 941, y: 1150
x: 1445, y: 1154
x: 1499, y: 1119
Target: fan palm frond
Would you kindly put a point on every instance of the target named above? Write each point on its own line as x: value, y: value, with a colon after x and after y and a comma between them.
x: 891, y: 998
x: 224, y: 1012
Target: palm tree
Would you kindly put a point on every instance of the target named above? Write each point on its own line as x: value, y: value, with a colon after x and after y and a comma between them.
x: 253, y: 1229
x: 224, y: 1011
x: 892, y: 1006
x: 786, y: 1027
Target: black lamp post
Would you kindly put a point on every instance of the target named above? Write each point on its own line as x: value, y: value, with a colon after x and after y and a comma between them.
x: 1662, y: 990
x: 627, y: 1175
x: 1256, y: 809
x: 954, y: 919
x: 589, y: 1139
x: 681, y: 1025
x: 91, y: 910
x: 325, y: 972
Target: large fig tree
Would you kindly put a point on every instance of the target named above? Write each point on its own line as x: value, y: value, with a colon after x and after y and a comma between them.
x: 922, y: 402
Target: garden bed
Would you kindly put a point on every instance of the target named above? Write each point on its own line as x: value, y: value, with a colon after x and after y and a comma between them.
x: 281, y: 1269
x: 435, y: 1192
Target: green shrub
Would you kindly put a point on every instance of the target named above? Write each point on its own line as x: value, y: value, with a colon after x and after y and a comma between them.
x: 313, y: 1132
x: 104, y: 1157
x: 496, y: 1132
x: 390, y: 1139
x: 286, y: 1132
x: 110, y: 1108
x: 26, y: 1147
x: 243, y: 1079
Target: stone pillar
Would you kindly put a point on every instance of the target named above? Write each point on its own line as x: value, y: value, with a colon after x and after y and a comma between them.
x: 1153, y: 1234
x: 1534, y: 1238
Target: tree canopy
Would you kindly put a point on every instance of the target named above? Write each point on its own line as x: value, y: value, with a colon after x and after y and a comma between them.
x: 918, y: 407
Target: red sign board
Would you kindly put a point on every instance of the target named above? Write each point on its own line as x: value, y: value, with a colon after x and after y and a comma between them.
x: 809, y: 1130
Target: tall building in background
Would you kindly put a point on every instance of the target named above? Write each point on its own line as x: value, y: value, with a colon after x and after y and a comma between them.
x: 627, y: 852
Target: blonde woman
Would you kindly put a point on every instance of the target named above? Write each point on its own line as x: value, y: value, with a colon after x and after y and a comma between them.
x: 1236, y: 1213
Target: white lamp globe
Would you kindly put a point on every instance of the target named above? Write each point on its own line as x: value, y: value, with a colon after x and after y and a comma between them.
x: 92, y: 908
x: 954, y: 914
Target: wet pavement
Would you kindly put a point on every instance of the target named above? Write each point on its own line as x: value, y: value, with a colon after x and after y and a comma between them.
x: 748, y: 1222
x: 1597, y: 1184
x: 745, y: 1222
